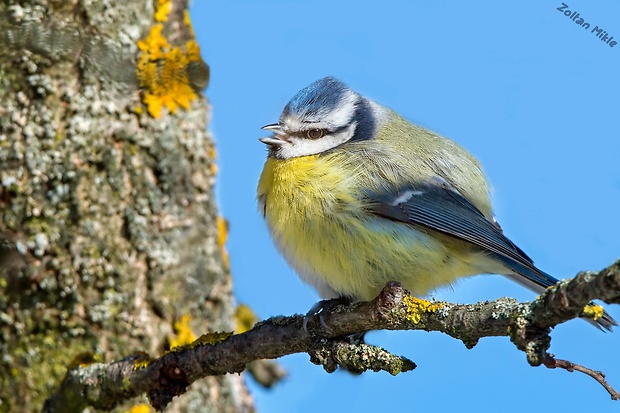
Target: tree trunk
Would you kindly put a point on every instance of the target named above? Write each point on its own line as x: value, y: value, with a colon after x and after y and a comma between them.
x: 109, y: 240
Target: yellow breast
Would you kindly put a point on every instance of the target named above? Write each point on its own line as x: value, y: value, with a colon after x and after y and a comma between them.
x: 318, y: 222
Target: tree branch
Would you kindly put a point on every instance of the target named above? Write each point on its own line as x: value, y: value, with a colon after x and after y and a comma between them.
x: 527, y: 324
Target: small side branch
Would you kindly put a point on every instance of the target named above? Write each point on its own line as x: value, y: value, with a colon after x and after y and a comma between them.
x: 552, y: 363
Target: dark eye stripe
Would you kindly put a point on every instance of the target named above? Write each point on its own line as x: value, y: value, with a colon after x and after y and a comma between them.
x: 303, y: 133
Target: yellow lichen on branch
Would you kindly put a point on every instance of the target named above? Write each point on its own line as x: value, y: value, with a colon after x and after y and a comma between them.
x: 141, y: 360
x: 593, y: 311
x: 416, y: 307
x: 185, y: 337
x: 212, y: 338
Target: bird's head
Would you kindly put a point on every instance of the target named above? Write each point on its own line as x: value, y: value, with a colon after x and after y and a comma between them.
x: 320, y: 117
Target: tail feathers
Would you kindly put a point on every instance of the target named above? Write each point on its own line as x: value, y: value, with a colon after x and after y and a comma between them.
x: 538, y: 281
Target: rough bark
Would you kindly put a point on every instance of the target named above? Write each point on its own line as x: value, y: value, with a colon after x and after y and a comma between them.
x: 109, y: 241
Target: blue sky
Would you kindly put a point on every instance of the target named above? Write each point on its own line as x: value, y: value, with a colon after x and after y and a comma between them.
x: 529, y: 92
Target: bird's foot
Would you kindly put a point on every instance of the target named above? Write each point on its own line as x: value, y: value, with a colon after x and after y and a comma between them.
x: 321, y: 307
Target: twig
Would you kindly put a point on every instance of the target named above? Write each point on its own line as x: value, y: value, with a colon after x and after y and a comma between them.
x: 552, y: 363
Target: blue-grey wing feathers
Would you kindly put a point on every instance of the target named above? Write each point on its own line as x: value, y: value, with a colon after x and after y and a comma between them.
x: 441, y: 208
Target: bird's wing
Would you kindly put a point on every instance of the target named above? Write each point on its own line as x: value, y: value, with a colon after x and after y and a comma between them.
x: 439, y: 206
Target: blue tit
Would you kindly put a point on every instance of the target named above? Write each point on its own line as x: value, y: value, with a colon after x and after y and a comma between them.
x: 355, y: 196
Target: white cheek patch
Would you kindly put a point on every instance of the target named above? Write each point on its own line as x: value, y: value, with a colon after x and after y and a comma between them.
x: 343, y: 113
x: 406, y: 196
x: 292, y: 124
x: 304, y: 147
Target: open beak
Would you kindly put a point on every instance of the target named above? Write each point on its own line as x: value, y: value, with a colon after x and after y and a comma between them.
x: 278, y: 137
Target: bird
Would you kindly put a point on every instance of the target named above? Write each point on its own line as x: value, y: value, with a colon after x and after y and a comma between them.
x: 355, y: 196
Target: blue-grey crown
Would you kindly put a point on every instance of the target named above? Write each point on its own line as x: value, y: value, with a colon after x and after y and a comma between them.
x: 316, y: 99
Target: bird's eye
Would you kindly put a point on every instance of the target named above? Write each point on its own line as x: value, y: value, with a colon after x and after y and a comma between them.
x: 315, y: 133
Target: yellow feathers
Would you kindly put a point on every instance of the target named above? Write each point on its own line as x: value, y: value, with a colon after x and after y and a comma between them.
x: 318, y: 223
